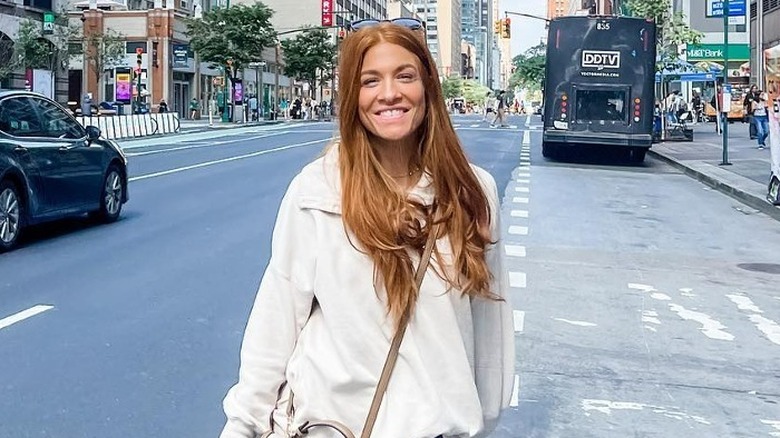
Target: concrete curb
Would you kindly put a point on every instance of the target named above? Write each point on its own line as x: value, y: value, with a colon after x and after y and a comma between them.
x: 750, y: 199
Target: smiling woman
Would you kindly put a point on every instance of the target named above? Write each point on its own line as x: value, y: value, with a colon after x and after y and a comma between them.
x: 393, y: 195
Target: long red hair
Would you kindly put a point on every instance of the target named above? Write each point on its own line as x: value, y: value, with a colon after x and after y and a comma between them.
x: 379, y: 216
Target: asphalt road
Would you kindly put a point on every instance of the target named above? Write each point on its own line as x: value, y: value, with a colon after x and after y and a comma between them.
x: 646, y: 304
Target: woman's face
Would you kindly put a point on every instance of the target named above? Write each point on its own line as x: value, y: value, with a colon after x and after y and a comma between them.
x: 391, y: 103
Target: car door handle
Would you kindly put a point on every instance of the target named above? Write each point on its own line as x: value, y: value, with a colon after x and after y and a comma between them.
x: 20, y: 149
x: 65, y: 148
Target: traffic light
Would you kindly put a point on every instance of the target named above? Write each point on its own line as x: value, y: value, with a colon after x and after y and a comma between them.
x: 506, y: 28
x: 138, y: 52
x: 497, y: 27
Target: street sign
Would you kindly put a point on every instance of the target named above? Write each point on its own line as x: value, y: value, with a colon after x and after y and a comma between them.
x: 327, y: 12
x: 737, y: 10
x: 48, y: 23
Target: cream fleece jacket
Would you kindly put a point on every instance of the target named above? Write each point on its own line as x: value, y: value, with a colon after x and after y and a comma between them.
x: 318, y: 328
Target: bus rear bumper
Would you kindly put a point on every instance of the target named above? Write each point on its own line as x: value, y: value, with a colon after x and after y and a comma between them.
x: 597, y: 138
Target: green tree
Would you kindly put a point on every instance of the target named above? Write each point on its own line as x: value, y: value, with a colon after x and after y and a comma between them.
x: 672, y: 31
x: 8, y: 59
x: 307, y: 54
x: 452, y: 86
x: 474, y: 92
x: 238, y: 33
x: 103, y: 50
x: 529, y: 68
x: 32, y: 49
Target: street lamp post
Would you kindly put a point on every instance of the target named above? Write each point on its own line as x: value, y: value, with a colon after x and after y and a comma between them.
x: 725, y: 86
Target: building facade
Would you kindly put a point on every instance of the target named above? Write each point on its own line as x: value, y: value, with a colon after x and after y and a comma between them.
x: 765, y: 21
x: 400, y: 9
x: 443, y: 32
x: 170, y: 71
x: 52, y: 79
x: 477, y: 30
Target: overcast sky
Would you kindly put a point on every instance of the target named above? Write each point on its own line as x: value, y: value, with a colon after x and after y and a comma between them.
x: 526, y: 32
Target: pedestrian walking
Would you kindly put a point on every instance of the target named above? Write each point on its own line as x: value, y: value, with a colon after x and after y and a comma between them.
x: 500, y: 111
x: 163, y: 106
x: 392, y: 195
x: 488, y: 106
x: 761, y: 118
x: 747, y: 108
x: 194, y: 107
x: 253, y: 111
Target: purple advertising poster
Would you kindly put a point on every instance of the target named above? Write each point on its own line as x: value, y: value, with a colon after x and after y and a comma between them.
x: 238, y: 92
x: 124, y: 91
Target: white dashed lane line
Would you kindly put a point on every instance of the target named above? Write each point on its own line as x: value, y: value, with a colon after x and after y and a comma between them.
x: 24, y: 314
x: 514, y: 250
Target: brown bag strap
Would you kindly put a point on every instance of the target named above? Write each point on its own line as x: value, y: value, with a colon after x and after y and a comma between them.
x: 392, y: 355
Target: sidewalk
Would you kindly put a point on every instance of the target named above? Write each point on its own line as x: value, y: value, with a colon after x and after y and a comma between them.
x: 202, y: 124
x: 747, y: 177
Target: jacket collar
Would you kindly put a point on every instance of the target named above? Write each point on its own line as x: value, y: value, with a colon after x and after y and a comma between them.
x: 321, y: 185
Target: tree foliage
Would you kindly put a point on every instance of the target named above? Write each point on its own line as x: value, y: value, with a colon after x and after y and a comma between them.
x: 672, y: 30
x: 32, y: 49
x: 474, y: 92
x: 307, y: 54
x: 529, y: 68
x: 452, y: 86
x: 103, y: 50
x: 238, y: 33
x: 8, y: 60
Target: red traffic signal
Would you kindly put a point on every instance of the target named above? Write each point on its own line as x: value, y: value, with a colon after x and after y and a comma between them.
x: 139, y: 50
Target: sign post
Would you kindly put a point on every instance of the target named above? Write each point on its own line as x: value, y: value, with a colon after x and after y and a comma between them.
x: 726, y: 86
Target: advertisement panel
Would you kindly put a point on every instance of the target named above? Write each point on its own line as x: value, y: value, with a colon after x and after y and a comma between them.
x: 180, y: 54
x: 124, y: 85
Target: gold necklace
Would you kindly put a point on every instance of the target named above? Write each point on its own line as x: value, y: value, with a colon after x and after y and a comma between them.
x: 411, y: 172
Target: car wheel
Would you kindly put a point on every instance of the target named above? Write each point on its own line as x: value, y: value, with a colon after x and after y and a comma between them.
x: 11, y: 214
x: 111, y: 196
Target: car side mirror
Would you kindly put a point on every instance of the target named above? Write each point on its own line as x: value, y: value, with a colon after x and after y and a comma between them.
x: 93, y: 133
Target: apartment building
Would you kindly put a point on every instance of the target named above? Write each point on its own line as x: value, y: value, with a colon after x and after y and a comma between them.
x: 400, y: 9
x: 443, y: 23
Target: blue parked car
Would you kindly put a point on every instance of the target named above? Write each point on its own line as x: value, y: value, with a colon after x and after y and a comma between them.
x: 51, y: 167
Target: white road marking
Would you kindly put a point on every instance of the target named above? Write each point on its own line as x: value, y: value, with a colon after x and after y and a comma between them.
x: 526, y: 175
x: 226, y: 160
x: 523, y: 181
x: 515, y: 392
x: 768, y: 327
x: 24, y: 314
x: 660, y: 296
x: 651, y: 317
x: 651, y: 328
x: 526, y: 137
x: 528, y: 120
x: 475, y: 125
x: 517, y: 230
x: 709, y: 327
x: 518, y: 213
x: 577, y: 323
x: 522, y: 189
x: 775, y: 424
x: 514, y: 250
x: 744, y: 303
x: 211, y: 144
x: 519, y: 319
x: 642, y: 287
x: 520, y: 200
x: 517, y: 279
x: 606, y: 407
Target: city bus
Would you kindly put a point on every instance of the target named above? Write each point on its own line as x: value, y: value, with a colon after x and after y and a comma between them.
x: 599, y: 84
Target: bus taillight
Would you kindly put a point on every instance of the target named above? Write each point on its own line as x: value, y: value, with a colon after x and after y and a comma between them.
x: 637, y: 109
x: 564, y: 106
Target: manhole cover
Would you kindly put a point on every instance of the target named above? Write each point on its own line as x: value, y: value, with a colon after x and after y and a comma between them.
x: 769, y: 268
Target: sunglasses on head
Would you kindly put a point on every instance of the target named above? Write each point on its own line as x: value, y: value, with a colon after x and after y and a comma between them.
x: 409, y: 23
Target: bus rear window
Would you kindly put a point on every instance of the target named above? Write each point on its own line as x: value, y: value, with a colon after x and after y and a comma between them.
x: 601, y: 105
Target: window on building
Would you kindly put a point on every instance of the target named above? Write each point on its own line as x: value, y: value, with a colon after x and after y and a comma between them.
x: 39, y: 4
